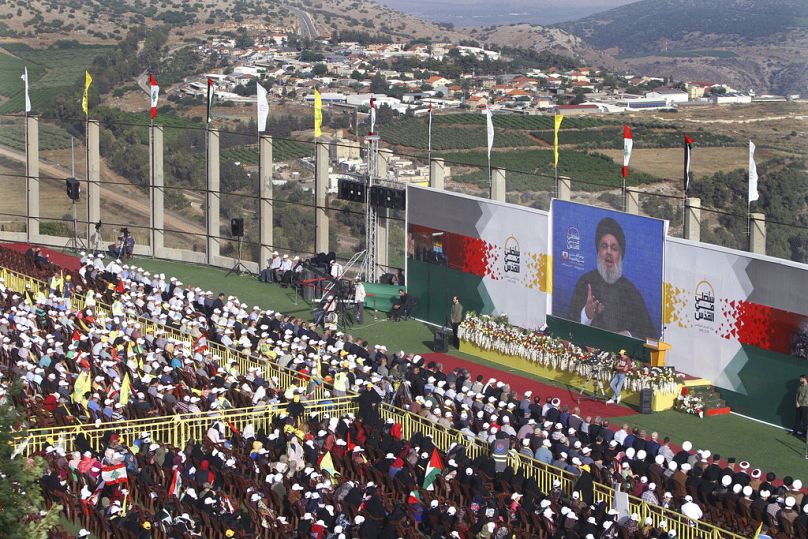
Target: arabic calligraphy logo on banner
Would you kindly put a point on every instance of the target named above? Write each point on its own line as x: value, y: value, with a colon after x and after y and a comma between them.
x: 572, y: 256
x: 513, y: 256
x: 704, y: 305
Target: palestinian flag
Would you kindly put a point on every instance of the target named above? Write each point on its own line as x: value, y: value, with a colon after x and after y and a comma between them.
x: 211, y: 98
x: 414, y: 497
x: 112, y: 475
x: 628, y: 144
x: 153, y: 94
x: 688, y: 148
x: 433, y: 470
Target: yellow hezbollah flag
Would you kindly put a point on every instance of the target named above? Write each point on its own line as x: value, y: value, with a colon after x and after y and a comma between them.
x: 558, y: 119
x: 327, y: 465
x: 83, y: 385
x: 123, y: 398
x: 88, y: 80
x: 757, y: 533
x: 318, y: 114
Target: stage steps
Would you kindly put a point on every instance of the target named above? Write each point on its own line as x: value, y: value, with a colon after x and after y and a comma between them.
x: 713, y: 403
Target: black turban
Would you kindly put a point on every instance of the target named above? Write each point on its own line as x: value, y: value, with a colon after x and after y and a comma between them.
x: 610, y: 226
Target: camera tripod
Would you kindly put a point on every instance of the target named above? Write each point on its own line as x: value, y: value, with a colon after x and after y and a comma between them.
x: 597, y: 386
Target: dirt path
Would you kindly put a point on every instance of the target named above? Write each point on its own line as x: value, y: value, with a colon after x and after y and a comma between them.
x: 124, y: 196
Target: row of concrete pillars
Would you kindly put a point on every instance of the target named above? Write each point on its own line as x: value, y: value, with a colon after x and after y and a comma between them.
x: 692, y: 221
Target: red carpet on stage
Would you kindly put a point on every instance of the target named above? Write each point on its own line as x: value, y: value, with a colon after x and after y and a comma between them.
x: 520, y: 384
x: 68, y: 262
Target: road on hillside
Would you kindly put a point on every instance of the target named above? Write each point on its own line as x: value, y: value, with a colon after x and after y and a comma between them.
x: 307, y: 28
x: 114, y: 194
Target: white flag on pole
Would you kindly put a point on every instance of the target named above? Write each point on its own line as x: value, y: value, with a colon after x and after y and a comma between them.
x: 263, y: 107
x: 372, y: 115
x: 490, y: 128
x: 753, y: 175
x: 24, y: 77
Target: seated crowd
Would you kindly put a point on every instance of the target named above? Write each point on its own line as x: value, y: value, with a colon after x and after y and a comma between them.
x: 74, y: 361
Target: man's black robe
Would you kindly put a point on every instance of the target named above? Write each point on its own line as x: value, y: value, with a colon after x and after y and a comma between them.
x: 624, y: 308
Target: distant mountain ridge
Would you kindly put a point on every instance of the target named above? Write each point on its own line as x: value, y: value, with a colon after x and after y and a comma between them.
x: 749, y: 44
x: 643, y: 25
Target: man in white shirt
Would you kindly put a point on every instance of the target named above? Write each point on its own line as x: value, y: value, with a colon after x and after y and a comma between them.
x: 690, y: 509
x: 359, y: 299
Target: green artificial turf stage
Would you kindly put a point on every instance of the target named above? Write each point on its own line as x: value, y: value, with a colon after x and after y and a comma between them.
x: 766, y: 447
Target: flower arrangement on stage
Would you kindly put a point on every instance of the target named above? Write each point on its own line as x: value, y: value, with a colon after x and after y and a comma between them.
x: 689, y: 404
x: 497, y: 335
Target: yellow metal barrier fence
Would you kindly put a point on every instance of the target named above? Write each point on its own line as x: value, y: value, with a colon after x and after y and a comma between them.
x: 176, y: 430
x: 443, y: 438
x: 685, y: 527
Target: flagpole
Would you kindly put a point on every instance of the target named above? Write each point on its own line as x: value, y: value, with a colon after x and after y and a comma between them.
x: 555, y: 174
x: 87, y: 169
x: 625, y: 198
x: 207, y: 182
x: 429, y: 151
x: 27, y: 161
x: 151, y: 182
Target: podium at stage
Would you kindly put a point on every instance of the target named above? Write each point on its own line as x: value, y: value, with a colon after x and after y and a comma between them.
x: 657, y: 351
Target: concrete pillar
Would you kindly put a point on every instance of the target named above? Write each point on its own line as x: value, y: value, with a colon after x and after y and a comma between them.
x: 265, y: 211
x: 437, y: 171
x: 692, y: 230
x: 564, y: 188
x: 213, y: 196
x: 93, y: 179
x: 32, y: 172
x: 383, y: 162
x: 757, y: 233
x: 157, y: 190
x: 632, y: 201
x: 320, y: 191
x: 498, y: 187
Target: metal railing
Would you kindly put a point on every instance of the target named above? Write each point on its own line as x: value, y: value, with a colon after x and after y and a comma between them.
x: 685, y: 527
x: 545, y: 475
x: 175, y: 430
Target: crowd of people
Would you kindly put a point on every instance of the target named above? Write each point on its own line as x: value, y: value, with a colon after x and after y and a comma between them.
x: 77, y: 363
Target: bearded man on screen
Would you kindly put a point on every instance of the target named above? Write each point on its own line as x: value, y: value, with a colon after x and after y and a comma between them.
x: 604, y: 298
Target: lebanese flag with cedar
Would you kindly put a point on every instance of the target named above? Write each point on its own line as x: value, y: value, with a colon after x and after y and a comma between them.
x: 112, y: 475
x: 628, y: 144
x: 153, y: 94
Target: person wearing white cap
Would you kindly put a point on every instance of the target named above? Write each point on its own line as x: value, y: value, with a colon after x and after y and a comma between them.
x: 691, y: 510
